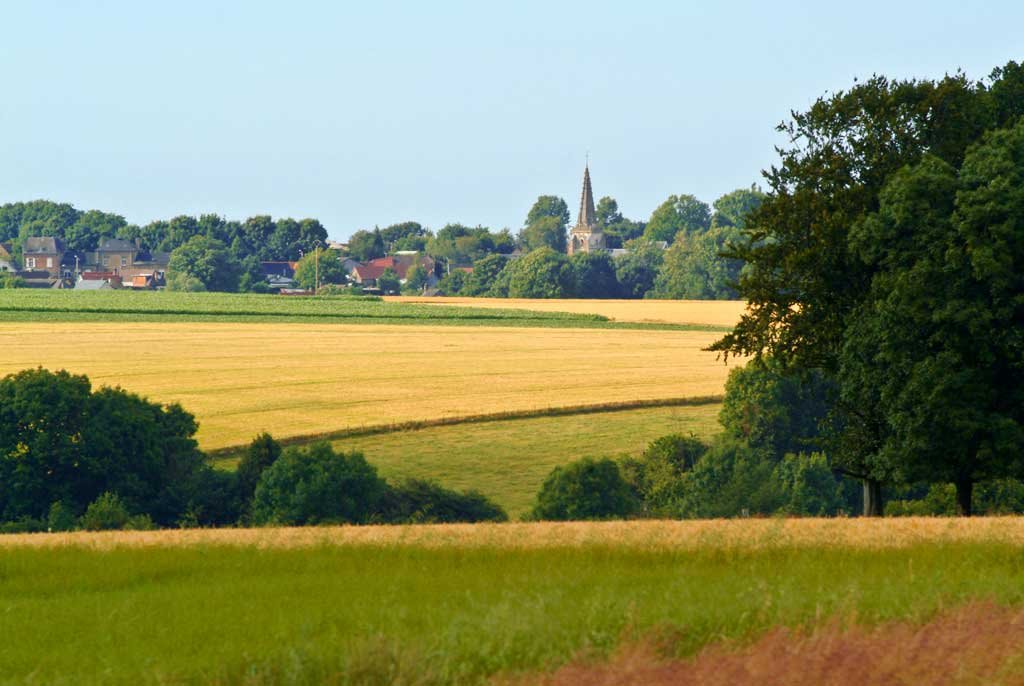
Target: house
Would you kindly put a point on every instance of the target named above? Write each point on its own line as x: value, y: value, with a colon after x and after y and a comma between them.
x: 7, y: 258
x: 43, y: 253
x: 128, y: 260
x: 278, y: 270
x: 400, y: 263
x: 95, y: 281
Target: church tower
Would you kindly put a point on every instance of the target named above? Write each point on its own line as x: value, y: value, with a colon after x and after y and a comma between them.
x: 586, y: 236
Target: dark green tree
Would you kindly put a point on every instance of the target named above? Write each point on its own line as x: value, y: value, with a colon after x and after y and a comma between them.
x: 544, y: 232
x: 804, y: 284
x: 637, y: 269
x: 389, y: 281
x: 586, y: 489
x: 366, y: 245
x: 679, y: 214
x: 542, y: 273
x: 203, y: 264
x: 263, y: 451
x: 485, y: 273
x: 549, y: 206
x: 594, y: 275
x: 316, y: 485
x: 330, y: 269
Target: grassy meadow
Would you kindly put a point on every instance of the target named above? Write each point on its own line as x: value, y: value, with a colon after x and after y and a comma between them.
x: 299, y: 379
x: 463, y: 604
x: 507, y: 460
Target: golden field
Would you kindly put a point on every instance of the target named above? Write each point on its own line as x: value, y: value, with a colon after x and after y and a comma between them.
x: 700, y: 312
x: 655, y: 535
x: 296, y: 379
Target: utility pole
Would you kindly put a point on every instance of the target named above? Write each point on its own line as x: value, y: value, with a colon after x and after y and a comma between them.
x: 316, y: 261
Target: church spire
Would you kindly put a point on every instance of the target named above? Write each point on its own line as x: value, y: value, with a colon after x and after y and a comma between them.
x: 587, y: 218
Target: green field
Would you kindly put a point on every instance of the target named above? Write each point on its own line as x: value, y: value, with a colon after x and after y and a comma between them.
x: 507, y: 460
x: 31, y: 305
x: 414, y: 614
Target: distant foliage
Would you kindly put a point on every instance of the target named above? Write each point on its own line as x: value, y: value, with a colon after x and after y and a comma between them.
x: 60, y: 441
x: 587, y: 489
x: 317, y: 485
x: 416, y: 501
x: 544, y: 273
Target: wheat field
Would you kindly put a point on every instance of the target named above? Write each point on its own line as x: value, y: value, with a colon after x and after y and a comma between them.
x: 751, y: 535
x: 299, y: 379
x: 717, y: 313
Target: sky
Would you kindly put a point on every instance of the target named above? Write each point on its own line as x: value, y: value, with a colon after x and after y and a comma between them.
x: 371, y: 113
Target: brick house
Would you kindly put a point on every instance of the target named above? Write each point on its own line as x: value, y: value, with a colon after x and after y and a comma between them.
x: 43, y: 253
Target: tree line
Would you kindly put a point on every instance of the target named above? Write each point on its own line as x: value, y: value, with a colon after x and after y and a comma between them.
x: 212, y: 253
x: 76, y: 457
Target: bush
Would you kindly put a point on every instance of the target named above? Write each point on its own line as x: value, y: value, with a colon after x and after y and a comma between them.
x: 263, y: 452
x: 658, y: 477
x: 807, y: 486
x: 999, y: 496
x: 105, y: 513
x: 587, y: 489
x: 61, y: 517
x: 317, y: 485
x: 418, y: 501
x: 23, y: 525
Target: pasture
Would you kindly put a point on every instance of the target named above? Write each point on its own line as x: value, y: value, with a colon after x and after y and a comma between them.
x: 471, y: 603
x: 507, y: 460
x: 301, y: 379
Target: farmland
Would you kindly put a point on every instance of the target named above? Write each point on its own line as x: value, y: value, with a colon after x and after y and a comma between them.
x: 300, y: 379
x: 507, y: 460
x: 29, y: 305
x: 466, y: 603
x: 706, y: 313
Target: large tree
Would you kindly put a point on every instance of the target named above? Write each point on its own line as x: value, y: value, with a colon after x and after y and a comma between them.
x: 203, y: 264
x: 938, y: 345
x: 679, y: 214
x: 804, y: 285
x: 542, y: 273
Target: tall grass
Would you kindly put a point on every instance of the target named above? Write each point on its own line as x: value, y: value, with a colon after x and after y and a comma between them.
x: 394, y: 612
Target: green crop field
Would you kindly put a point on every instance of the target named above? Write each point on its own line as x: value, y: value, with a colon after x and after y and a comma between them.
x: 463, y: 604
x: 31, y: 305
x: 507, y: 460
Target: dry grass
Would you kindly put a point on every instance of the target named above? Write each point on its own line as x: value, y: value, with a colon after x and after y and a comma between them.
x: 702, y: 535
x: 980, y: 643
x: 299, y: 379
x: 706, y: 312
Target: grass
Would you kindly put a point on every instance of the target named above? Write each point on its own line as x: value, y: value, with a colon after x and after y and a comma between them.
x: 295, y: 379
x: 439, y: 605
x: 707, y: 313
x: 32, y: 305
x: 507, y: 460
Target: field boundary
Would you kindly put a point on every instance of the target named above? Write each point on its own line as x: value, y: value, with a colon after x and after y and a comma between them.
x: 416, y: 425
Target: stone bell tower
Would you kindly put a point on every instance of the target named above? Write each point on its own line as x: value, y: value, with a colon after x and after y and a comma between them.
x: 586, y: 236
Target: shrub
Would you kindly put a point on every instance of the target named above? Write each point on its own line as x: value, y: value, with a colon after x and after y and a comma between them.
x: 263, y: 452
x: 587, y: 489
x: 23, y: 525
x: 807, y: 486
x: 662, y: 468
x: 317, y: 485
x: 416, y: 500
x: 61, y: 517
x: 105, y: 513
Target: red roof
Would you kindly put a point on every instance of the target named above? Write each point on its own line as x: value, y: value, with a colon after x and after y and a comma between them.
x: 97, y: 276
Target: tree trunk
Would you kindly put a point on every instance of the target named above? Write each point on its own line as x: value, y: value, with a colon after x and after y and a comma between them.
x: 964, y: 493
x: 872, y: 498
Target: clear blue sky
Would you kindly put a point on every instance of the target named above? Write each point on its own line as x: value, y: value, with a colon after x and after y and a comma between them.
x: 377, y: 112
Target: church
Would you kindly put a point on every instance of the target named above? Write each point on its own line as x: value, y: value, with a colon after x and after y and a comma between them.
x: 587, y: 235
